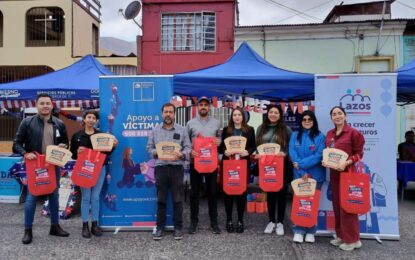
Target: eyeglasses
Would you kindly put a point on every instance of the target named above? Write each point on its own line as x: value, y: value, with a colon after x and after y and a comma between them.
x: 307, y: 120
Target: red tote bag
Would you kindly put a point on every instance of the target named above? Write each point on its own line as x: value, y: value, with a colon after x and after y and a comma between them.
x: 207, y: 161
x: 41, y: 176
x: 234, y: 176
x: 271, y: 173
x: 87, y: 168
x: 304, y: 210
x: 355, y: 191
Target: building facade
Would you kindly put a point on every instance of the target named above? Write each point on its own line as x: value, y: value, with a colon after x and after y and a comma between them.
x: 180, y: 36
x: 40, y: 36
x: 344, y: 47
x: 355, y: 38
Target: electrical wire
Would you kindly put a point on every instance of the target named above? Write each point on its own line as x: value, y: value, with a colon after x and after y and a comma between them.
x: 294, y: 11
x: 399, y: 2
x: 312, y: 8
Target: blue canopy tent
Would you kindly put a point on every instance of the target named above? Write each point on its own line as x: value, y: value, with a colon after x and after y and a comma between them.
x: 79, y: 81
x: 248, y: 74
x: 406, y: 83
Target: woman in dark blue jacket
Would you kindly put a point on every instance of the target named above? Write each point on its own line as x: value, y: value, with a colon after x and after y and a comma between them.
x: 306, y: 152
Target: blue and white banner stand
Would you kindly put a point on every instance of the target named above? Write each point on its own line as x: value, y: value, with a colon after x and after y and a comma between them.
x: 10, y: 188
x: 130, y: 107
x: 369, y: 101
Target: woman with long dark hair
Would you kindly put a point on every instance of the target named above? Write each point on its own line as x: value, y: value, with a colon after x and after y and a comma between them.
x: 351, y: 141
x: 306, y: 152
x: 274, y: 130
x: 237, y: 126
x: 130, y: 169
x: 90, y: 196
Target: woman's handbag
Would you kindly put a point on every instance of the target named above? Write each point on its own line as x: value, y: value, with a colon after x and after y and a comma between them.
x: 271, y: 172
x: 304, y: 210
x: 355, y: 191
x: 234, y: 176
x: 87, y: 168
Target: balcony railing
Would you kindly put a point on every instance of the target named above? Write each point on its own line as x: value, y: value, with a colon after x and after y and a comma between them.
x: 91, y: 6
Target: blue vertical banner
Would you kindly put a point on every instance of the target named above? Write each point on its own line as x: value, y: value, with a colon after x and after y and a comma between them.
x: 130, y: 107
x: 370, y: 102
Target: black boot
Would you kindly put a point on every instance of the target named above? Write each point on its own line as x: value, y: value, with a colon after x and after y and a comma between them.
x: 240, y: 228
x: 27, y: 238
x: 56, y: 230
x: 95, y: 229
x: 85, y: 230
x: 229, y: 227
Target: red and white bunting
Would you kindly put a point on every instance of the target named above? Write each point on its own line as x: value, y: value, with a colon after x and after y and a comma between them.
x: 58, y: 103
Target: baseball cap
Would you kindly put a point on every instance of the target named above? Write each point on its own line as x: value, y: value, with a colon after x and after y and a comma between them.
x: 203, y: 98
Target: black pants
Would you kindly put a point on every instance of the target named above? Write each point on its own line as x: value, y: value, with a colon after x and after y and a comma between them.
x: 196, y: 180
x: 272, y: 199
x: 169, y: 177
x: 240, y: 206
x: 280, y: 197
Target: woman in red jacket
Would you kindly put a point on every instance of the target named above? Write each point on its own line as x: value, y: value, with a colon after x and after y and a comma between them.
x: 351, y: 141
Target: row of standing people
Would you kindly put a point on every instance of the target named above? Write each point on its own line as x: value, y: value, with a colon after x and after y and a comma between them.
x: 302, y: 151
x: 32, y: 137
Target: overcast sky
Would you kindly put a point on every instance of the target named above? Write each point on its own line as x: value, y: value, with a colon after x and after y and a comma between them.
x: 252, y: 12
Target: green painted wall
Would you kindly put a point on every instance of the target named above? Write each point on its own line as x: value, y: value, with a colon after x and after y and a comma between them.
x: 331, y: 55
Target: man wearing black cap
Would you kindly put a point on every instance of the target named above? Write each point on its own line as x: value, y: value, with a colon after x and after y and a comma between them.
x: 206, y: 126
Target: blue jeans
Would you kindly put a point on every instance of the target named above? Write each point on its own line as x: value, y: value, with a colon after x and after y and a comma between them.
x: 30, y: 205
x: 90, y: 198
x: 305, y: 230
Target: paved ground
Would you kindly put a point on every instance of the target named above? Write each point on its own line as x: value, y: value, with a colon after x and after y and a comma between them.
x: 252, y: 244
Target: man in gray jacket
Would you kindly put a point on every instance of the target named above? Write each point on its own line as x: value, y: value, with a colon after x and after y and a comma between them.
x: 206, y: 126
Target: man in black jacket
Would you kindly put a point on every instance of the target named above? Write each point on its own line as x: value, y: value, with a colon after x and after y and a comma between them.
x: 35, y: 133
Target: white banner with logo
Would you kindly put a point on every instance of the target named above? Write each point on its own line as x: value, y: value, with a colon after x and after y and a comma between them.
x: 369, y: 101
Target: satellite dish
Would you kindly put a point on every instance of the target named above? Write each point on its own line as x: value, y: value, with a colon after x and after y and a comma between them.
x: 132, y: 10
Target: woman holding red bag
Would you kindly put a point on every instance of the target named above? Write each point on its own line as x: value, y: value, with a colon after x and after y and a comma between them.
x: 274, y: 130
x: 351, y: 141
x: 306, y: 152
x: 90, y: 196
x: 237, y: 126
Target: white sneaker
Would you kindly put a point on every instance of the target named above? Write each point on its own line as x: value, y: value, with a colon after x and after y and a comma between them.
x: 298, y: 238
x: 309, y: 238
x: 336, y: 242
x: 269, y: 228
x: 351, y: 246
x: 280, y: 229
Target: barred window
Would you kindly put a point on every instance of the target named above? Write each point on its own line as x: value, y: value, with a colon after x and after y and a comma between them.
x: 45, y: 26
x: 1, y: 29
x: 188, y: 32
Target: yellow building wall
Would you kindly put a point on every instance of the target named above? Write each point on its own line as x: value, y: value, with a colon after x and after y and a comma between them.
x: 82, y: 31
x: 15, y: 53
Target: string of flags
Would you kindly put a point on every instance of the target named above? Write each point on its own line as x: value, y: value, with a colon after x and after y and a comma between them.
x: 70, y: 116
x: 250, y: 104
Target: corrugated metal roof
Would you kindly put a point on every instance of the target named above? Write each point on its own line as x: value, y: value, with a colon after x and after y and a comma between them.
x: 317, y: 24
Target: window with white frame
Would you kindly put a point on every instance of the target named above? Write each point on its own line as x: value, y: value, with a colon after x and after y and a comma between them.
x: 45, y: 26
x: 188, y: 31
